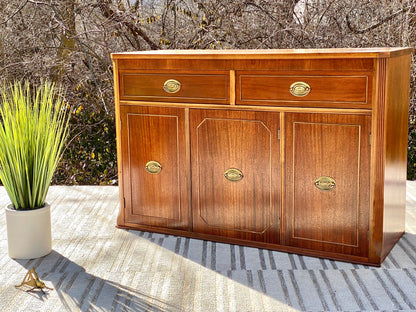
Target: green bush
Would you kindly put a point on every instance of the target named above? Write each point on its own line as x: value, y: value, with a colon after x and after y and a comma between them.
x: 90, y: 157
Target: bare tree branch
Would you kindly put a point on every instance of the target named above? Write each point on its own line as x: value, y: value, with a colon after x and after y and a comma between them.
x: 385, y: 20
x: 134, y: 30
x: 16, y: 12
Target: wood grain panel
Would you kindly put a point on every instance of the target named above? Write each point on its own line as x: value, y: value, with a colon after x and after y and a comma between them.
x: 121, y: 214
x: 247, y: 64
x: 265, y: 54
x: 378, y: 163
x: 195, y: 86
x: 273, y: 88
x: 338, y: 147
x: 154, y: 134
x: 396, y: 126
x: 247, y: 141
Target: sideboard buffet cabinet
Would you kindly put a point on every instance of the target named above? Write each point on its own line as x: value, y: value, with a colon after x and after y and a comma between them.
x: 302, y: 151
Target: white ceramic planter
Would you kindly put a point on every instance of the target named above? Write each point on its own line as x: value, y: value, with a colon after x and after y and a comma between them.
x: 29, y: 233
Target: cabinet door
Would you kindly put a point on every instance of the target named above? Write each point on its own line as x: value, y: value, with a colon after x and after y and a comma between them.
x: 235, y: 174
x: 327, y: 173
x: 154, y: 166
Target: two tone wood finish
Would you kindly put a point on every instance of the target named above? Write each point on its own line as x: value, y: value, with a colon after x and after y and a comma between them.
x: 301, y: 151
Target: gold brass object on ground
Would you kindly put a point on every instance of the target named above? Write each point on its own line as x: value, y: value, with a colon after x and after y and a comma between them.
x: 300, y: 88
x: 172, y: 86
x: 153, y: 167
x: 233, y: 175
x: 31, y: 279
x: 325, y: 183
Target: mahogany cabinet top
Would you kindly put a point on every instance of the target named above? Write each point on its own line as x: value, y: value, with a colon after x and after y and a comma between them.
x: 266, y: 54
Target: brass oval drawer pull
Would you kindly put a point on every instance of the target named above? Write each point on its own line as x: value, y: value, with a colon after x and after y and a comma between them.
x: 172, y: 86
x: 153, y: 167
x: 233, y: 175
x: 300, y: 89
x: 325, y: 183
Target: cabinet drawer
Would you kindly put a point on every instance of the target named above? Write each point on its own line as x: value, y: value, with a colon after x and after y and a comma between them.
x: 194, y: 87
x: 289, y: 89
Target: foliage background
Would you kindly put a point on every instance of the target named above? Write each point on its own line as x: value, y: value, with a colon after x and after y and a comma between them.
x: 70, y: 41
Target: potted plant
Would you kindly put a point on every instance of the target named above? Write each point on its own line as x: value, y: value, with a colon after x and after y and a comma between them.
x: 33, y: 130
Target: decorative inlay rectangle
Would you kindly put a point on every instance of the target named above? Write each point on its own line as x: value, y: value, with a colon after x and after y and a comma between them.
x: 154, y: 138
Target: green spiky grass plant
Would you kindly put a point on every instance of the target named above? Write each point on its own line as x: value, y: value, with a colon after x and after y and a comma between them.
x: 33, y: 130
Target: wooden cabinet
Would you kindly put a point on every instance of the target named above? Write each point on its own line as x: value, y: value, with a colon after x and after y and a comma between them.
x: 301, y: 151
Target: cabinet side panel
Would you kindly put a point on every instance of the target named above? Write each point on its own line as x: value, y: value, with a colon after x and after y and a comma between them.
x: 396, y: 124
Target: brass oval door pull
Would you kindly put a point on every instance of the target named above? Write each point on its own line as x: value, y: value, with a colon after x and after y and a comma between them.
x: 233, y: 175
x: 325, y: 183
x: 153, y: 167
x: 300, y: 89
x: 172, y: 86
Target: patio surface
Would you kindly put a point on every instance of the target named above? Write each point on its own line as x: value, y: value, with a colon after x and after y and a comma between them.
x: 97, y: 267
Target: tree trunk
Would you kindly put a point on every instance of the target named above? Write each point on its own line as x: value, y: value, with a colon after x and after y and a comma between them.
x: 66, y: 15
